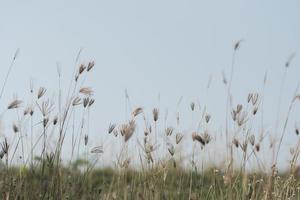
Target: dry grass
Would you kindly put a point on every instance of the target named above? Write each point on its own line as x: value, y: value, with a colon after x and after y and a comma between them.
x: 166, y: 163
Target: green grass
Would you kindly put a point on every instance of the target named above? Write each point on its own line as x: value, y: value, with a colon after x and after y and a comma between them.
x: 159, y: 183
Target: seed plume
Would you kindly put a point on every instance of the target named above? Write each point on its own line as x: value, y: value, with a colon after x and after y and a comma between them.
x: 90, y: 66
x: 86, y: 91
x: 41, y: 92
x: 137, y: 111
x: 155, y: 113
x: 14, y: 104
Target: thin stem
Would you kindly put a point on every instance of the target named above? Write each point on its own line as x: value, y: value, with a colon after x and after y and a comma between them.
x: 8, y: 72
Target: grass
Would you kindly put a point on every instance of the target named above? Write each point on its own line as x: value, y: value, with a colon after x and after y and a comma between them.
x: 151, y: 161
x: 157, y: 183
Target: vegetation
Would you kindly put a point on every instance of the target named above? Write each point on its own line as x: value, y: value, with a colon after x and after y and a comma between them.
x: 160, y: 166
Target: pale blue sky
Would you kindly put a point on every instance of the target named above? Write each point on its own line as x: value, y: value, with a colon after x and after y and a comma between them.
x: 153, y: 47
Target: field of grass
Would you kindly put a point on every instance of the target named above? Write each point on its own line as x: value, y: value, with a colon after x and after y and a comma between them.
x: 150, y: 164
x: 158, y: 183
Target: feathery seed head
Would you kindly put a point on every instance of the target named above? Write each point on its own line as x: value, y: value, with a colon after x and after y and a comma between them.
x: 198, y: 138
x: 91, y: 102
x: 97, y: 150
x: 192, y: 105
x: 179, y: 137
x: 45, y: 121
x: 111, y: 128
x: 90, y: 65
x: 171, y: 149
x: 155, y: 113
x: 4, y: 147
x: 237, y: 45
x: 47, y: 107
x: 252, y: 140
x: 207, y: 118
x: 206, y: 137
x: 255, y: 98
x: 115, y: 132
x: 15, y: 128
x: 41, y: 92
x: 86, y: 140
x: 81, y: 69
x: 14, y: 104
x: 236, y: 142
x: 250, y: 95
x: 169, y: 131
x: 125, y: 164
x: 255, y: 109
x: 86, y: 102
x: 239, y: 108
x: 31, y: 112
x: 233, y: 115
x: 137, y: 111
x: 86, y: 91
x: 257, y: 147
x: 76, y: 101
x: 297, y: 97
x: 127, y: 130
x: 244, y: 145
x: 130, y: 130
x: 242, y: 118
x: 146, y: 132
x: 55, y: 120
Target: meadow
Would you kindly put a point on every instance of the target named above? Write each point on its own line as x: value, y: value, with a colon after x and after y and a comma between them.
x: 151, y: 161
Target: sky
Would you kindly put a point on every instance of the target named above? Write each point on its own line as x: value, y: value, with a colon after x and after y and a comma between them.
x: 159, y: 51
